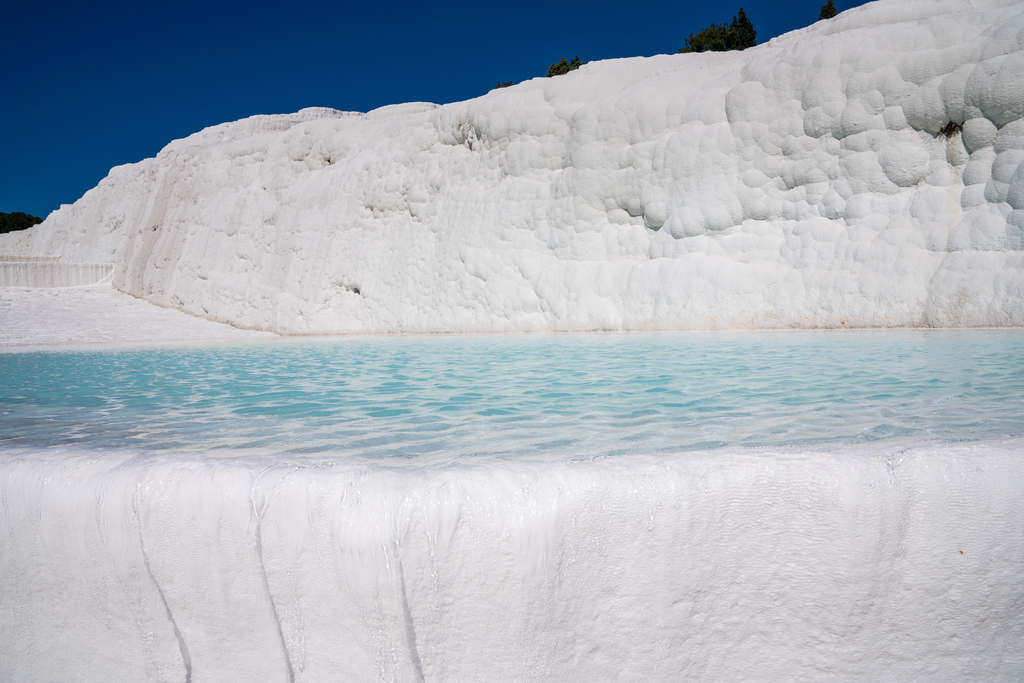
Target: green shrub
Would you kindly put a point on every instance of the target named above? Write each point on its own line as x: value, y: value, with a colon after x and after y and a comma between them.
x: 564, y: 67
x: 828, y: 10
x: 503, y: 84
x: 714, y: 38
x: 722, y: 38
x: 10, y: 222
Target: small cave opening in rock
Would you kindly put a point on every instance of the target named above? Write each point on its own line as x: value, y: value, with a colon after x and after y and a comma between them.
x: 951, y: 129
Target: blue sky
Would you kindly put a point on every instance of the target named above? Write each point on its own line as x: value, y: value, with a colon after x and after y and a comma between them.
x: 90, y: 86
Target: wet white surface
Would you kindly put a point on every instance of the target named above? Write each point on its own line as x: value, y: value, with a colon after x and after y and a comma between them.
x: 97, y: 314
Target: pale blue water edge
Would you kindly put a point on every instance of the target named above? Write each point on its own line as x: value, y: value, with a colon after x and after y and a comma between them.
x: 520, y: 395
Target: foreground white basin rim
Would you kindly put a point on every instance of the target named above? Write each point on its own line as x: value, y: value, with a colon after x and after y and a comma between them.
x: 854, y: 564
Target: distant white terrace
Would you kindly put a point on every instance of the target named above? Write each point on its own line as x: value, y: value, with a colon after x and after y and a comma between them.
x: 806, y: 182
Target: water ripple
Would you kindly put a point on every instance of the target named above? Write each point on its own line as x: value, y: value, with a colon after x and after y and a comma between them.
x: 508, y: 395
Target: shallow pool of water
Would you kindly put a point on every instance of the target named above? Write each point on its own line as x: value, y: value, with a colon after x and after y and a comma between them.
x: 521, y: 395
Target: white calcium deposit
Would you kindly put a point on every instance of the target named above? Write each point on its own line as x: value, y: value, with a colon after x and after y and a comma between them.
x: 39, y: 318
x: 853, y: 565
x: 800, y: 183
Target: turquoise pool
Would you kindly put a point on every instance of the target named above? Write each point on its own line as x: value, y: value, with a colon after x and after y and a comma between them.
x: 459, y: 396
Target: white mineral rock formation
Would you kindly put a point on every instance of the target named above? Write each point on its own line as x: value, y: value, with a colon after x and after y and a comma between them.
x: 771, y: 566
x: 814, y: 181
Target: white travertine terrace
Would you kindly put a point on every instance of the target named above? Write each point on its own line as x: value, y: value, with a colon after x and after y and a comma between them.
x: 807, y: 182
x: 864, y: 564
x: 801, y: 183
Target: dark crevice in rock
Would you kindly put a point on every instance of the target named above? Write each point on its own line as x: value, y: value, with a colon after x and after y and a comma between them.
x: 186, y: 658
x: 258, y: 538
x: 951, y: 129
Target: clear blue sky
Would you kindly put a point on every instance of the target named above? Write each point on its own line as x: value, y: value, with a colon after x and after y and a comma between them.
x: 88, y: 86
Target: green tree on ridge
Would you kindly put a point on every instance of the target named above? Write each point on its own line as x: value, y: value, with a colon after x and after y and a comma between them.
x: 721, y: 37
x: 564, y: 67
x: 12, y: 222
